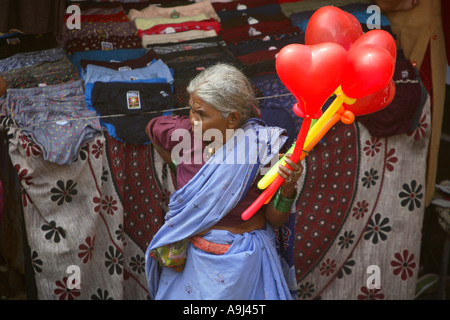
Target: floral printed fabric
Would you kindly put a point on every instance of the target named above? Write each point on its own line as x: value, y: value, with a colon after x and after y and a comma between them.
x: 96, y: 214
x: 361, y: 207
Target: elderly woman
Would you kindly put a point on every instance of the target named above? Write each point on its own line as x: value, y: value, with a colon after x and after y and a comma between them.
x: 205, y: 250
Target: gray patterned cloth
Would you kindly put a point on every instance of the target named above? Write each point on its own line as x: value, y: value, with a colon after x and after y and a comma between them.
x: 54, y: 118
x: 27, y: 59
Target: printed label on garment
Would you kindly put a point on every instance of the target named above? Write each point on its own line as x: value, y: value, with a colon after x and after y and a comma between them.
x: 174, y: 14
x: 125, y: 68
x: 13, y: 41
x: 107, y: 46
x: 253, y: 32
x: 133, y: 100
x: 169, y: 30
x: 252, y: 21
x: 62, y: 122
x: 241, y: 7
x: 405, y: 74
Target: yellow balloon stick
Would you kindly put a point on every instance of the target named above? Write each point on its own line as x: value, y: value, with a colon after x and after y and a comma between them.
x: 331, y: 110
x: 318, y: 125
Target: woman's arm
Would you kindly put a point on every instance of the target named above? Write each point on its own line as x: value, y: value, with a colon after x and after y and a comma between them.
x: 277, y: 212
x: 165, y: 154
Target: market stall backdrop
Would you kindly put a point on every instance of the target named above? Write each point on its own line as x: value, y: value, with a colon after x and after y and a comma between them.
x: 93, y: 198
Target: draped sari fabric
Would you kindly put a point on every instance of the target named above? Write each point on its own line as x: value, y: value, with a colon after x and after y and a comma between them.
x: 251, y: 268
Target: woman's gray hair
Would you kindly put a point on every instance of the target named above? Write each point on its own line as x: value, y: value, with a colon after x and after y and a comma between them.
x: 225, y: 88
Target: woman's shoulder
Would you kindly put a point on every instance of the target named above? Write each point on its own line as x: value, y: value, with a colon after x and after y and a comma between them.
x: 175, y: 120
x: 172, y: 122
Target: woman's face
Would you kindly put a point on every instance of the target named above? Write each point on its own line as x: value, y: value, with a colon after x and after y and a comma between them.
x: 206, y: 119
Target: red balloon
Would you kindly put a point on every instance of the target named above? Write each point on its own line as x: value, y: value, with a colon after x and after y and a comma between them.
x: 374, y: 102
x: 380, y: 38
x: 331, y: 24
x: 311, y: 73
x: 370, y: 69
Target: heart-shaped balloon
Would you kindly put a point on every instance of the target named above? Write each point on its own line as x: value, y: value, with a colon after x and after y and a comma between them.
x: 311, y: 73
x: 331, y: 24
x: 374, y: 102
x: 370, y: 68
x: 379, y: 38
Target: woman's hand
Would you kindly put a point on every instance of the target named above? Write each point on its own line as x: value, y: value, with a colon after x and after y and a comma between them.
x: 273, y: 215
x: 290, y: 176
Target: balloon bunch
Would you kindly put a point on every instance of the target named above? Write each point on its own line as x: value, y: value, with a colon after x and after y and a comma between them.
x: 337, y: 59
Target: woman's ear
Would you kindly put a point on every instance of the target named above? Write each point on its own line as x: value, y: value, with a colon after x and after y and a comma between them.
x: 234, y: 119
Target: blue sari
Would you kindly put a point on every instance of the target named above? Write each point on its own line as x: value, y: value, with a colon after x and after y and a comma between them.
x: 251, y: 267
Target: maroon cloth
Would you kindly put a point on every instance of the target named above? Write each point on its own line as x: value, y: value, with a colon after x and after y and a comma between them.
x: 208, y: 24
x: 241, y: 33
x: 104, y: 30
x: 137, y: 63
x: 116, y: 17
x: 219, y: 6
x: 160, y: 131
x: 259, y: 56
x: 292, y: 31
x: 97, y: 43
x: 401, y: 115
x: 243, y: 20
